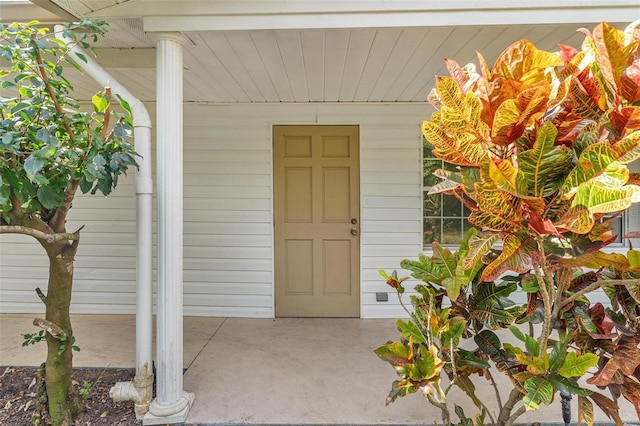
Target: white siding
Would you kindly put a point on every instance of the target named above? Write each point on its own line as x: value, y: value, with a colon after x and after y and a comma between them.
x: 228, y: 254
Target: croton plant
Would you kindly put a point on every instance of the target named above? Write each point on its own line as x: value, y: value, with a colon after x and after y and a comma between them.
x: 542, y: 142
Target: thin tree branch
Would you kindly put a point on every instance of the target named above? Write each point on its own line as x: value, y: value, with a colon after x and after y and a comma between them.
x: 41, y: 295
x: 597, y: 285
x: 60, y: 215
x: 494, y: 385
x: 52, y: 93
x: 40, y: 235
x: 51, y: 328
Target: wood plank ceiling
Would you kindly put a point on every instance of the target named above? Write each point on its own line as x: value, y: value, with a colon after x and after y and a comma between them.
x: 338, y: 65
x: 315, y: 65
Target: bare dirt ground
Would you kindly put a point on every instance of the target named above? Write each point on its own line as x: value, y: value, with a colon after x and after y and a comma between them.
x: 18, y: 397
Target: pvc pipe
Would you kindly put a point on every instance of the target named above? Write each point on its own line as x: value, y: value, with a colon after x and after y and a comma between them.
x: 144, y: 189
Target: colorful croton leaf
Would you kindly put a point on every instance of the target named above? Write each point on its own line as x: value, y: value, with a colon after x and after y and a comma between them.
x: 538, y: 148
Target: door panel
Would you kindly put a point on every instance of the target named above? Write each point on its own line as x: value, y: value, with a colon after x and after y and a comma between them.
x: 316, y: 198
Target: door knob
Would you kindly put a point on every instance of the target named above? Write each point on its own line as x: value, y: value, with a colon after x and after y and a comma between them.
x: 354, y: 221
x: 354, y: 231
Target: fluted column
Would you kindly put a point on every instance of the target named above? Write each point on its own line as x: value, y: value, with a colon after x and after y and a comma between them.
x: 171, y: 403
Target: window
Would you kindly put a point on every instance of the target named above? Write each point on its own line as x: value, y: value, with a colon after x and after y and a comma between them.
x: 444, y: 217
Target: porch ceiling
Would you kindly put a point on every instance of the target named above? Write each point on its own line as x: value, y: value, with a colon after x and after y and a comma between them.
x: 363, y: 64
x: 337, y: 65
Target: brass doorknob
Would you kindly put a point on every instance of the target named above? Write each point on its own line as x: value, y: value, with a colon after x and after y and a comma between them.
x: 354, y: 231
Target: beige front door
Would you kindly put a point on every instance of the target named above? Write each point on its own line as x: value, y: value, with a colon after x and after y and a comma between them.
x: 317, y: 221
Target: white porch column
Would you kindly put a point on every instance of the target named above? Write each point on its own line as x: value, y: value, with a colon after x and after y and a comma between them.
x: 171, y: 404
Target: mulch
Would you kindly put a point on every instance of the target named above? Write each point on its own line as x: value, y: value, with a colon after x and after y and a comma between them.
x: 18, y: 396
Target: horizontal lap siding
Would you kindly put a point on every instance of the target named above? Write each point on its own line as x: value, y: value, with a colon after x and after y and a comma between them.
x: 104, y: 270
x: 228, y: 269
x: 228, y: 255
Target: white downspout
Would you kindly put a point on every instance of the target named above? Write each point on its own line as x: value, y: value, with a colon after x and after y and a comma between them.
x: 140, y: 390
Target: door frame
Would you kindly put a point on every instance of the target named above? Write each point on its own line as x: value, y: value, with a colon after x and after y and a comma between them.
x: 272, y: 167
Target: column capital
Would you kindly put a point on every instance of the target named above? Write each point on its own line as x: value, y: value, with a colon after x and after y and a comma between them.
x: 172, y: 36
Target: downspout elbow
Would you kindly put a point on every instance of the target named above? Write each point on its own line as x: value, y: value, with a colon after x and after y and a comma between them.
x: 140, y: 391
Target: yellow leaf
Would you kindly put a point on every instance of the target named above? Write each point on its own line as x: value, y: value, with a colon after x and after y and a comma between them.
x: 516, y: 256
x: 577, y: 219
x: 585, y: 411
x: 507, y: 177
x: 463, y: 149
x: 599, y: 198
x: 524, y: 62
x: 592, y: 162
x: 449, y: 93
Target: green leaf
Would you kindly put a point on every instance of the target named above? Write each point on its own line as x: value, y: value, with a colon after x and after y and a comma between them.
x: 32, y: 165
x: 479, y: 245
x: 530, y: 343
x: 488, y: 342
x: 81, y: 56
x: 445, y: 259
x: 96, y: 166
x: 5, y: 200
x: 48, y: 197
x: 100, y: 102
x: 469, y: 359
x: 424, y: 269
x: 451, y: 337
x: 410, y: 330
x: 491, y: 302
x: 577, y: 366
x: 558, y: 353
x: 530, y: 284
x: 545, y: 164
x: 42, y: 135
x: 538, y: 391
x: 464, y: 420
x: 396, y: 354
x: 567, y: 385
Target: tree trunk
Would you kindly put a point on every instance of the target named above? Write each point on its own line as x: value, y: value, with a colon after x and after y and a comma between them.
x: 63, y: 405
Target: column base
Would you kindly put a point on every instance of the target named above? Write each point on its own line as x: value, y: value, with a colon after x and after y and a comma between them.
x: 161, y: 414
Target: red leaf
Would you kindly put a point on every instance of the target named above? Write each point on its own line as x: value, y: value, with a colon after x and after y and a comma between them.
x: 542, y: 226
x: 567, y: 53
x: 627, y: 354
x: 630, y: 82
x: 632, y: 394
x: 459, y: 76
x: 609, y: 407
x: 625, y: 120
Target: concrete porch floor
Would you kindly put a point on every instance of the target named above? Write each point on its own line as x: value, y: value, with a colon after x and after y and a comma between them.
x: 265, y: 371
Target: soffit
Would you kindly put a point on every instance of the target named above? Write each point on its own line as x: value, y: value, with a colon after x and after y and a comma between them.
x: 356, y: 64
x: 336, y: 65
